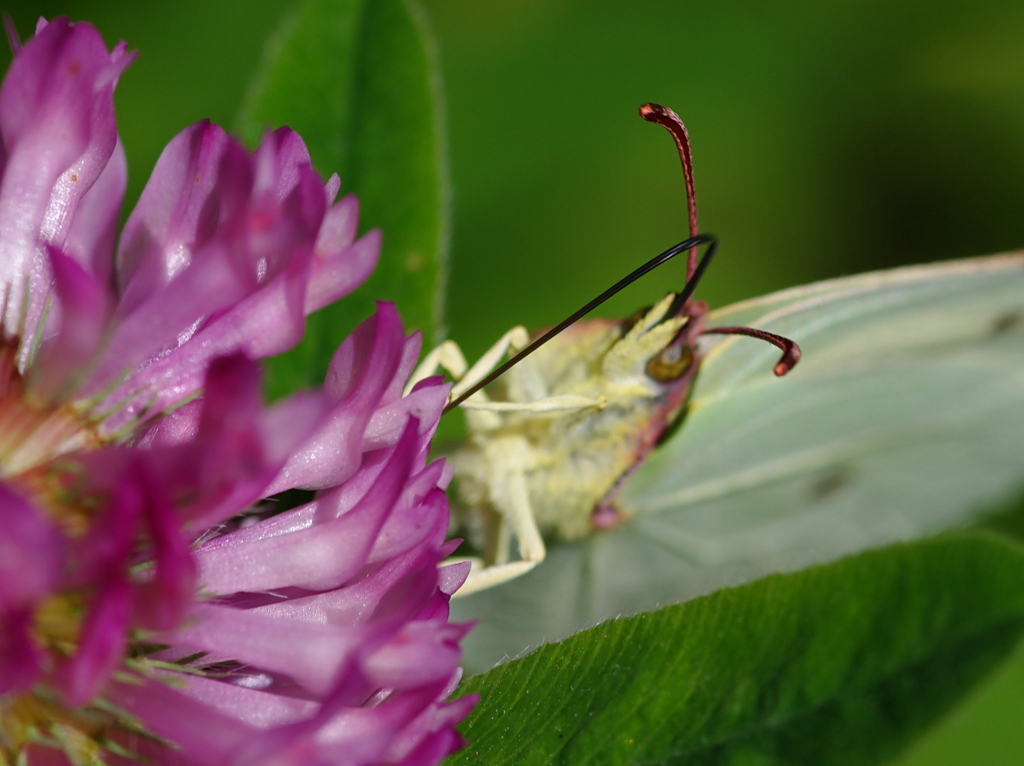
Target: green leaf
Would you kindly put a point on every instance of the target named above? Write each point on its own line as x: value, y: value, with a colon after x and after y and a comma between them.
x: 359, y: 81
x: 838, y: 664
x: 985, y: 727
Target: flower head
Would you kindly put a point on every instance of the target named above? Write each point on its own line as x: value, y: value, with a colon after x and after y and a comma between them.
x: 154, y: 603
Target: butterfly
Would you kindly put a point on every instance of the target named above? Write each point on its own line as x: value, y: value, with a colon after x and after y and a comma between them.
x: 576, y: 410
x: 905, y: 418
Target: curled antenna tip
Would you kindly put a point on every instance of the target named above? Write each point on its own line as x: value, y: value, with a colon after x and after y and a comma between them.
x: 788, y: 361
x: 657, y: 113
x: 662, y: 115
x: 790, y: 350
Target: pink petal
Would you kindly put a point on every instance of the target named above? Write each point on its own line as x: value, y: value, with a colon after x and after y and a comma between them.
x: 280, y: 160
x: 167, y: 321
x: 425, y: 404
x: 417, y: 655
x: 210, y: 279
x: 20, y: 659
x: 361, y: 602
x: 206, y: 737
x: 110, y: 537
x: 267, y: 643
x: 81, y: 312
x: 237, y: 446
x: 199, y: 183
x: 101, y: 645
x: 30, y: 552
x: 322, y: 556
x: 359, y: 374
x: 57, y: 124
x: 93, y: 231
x: 162, y: 601
x: 341, y: 264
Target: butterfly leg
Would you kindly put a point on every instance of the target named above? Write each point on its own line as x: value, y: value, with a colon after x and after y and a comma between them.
x: 511, y: 499
x: 567, y: 403
x: 449, y: 357
x: 514, y: 340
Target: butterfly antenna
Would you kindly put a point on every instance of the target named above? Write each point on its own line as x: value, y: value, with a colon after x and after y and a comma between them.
x: 790, y: 350
x: 672, y: 122
x: 674, y: 125
x: 691, y: 284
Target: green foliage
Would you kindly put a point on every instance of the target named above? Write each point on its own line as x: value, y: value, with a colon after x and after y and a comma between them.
x: 358, y: 81
x: 985, y: 727
x: 838, y: 664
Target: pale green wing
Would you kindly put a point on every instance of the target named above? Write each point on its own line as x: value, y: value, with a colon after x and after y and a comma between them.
x: 904, y: 418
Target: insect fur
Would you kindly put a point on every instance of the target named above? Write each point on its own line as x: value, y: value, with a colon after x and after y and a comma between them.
x: 572, y: 413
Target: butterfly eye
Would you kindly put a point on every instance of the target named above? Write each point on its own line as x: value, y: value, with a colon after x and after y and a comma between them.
x: 671, y: 364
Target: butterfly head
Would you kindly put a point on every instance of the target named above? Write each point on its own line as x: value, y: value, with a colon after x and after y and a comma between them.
x: 658, y: 341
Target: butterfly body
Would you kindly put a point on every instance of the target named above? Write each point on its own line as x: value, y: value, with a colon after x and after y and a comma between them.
x: 572, y: 460
x: 550, y: 441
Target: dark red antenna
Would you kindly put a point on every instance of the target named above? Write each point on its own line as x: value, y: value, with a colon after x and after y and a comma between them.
x: 674, y: 125
x: 694, y: 271
x: 790, y: 350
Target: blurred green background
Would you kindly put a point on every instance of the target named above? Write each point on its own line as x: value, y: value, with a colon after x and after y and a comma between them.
x: 829, y: 138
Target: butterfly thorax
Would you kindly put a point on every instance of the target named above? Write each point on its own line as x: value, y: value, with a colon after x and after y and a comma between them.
x: 574, y: 458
